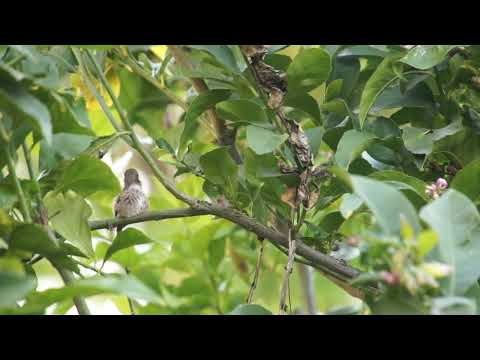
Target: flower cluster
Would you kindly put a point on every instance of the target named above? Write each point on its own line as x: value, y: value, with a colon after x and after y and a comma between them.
x: 437, y: 188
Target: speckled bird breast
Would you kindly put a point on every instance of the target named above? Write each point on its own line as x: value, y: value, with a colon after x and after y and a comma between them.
x: 131, y: 202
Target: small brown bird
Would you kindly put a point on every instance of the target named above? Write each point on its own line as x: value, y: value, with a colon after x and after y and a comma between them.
x: 132, y: 200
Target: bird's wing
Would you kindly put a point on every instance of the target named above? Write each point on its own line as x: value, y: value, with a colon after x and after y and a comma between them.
x: 116, y: 206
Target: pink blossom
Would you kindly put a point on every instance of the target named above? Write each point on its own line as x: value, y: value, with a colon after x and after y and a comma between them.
x: 441, y: 183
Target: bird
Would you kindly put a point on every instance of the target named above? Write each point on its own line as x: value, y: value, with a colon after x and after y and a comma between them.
x: 132, y: 201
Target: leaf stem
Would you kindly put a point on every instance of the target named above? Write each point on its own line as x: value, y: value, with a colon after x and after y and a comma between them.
x: 6, y: 140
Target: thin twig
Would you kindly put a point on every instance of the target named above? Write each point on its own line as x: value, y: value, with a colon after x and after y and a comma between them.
x: 292, y: 243
x: 130, y: 301
x: 257, y: 271
x: 308, y: 288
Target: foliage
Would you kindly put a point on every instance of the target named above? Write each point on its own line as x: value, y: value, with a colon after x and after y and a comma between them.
x: 368, y: 154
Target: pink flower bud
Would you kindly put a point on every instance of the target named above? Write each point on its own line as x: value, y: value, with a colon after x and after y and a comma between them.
x: 353, y: 241
x: 441, y: 183
x: 389, y: 277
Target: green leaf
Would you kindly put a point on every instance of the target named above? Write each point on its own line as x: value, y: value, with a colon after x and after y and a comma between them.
x: 350, y: 203
x: 219, y: 168
x: 127, y: 238
x: 87, y: 175
x: 63, y: 146
x: 383, y: 76
x: 466, y: 180
x: 126, y: 285
x: 21, y: 105
x: 243, y: 111
x: 351, y: 146
x: 424, y: 57
x: 309, y: 69
x: 392, y: 175
x: 222, y: 53
x: 334, y: 89
x: 457, y: 222
x: 250, y: 309
x: 14, y: 287
x: 397, y: 305
x: 103, y: 143
x: 163, y: 144
x: 418, y: 141
x: 427, y: 240
x: 33, y: 238
x: 453, y: 306
x: 386, y: 203
x: 198, y: 106
x: 314, y: 136
x: 216, y: 251
x: 264, y: 141
x: 304, y: 102
x: 71, y: 213
x: 8, y: 196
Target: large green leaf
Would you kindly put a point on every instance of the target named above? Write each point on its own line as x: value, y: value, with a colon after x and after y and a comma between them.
x: 263, y: 141
x: 457, y: 222
x: 244, y: 111
x: 14, y: 287
x: 63, y: 146
x: 466, y: 180
x: 34, y: 238
x: 309, y: 69
x: 418, y: 141
x: 383, y: 76
x: 126, y: 285
x: 426, y: 56
x: 454, y: 306
x: 315, y: 136
x: 250, y: 309
x: 220, y: 169
x: 69, y: 217
x: 387, y: 204
x: 22, y: 106
x: 304, y: 102
x: 216, y: 251
x: 392, y: 175
x: 125, y: 239
x: 198, y: 106
x: 222, y: 53
x: 87, y: 175
x: 351, y: 146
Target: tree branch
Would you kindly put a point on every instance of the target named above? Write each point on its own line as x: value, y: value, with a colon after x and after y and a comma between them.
x: 327, y: 264
x: 333, y: 269
x: 149, y: 216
